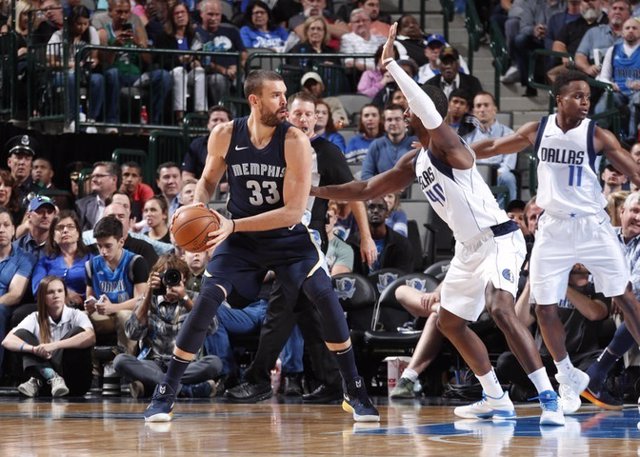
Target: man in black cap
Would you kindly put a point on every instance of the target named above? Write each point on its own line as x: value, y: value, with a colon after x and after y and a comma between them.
x: 450, y: 77
x: 20, y: 151
x: 612, y: 180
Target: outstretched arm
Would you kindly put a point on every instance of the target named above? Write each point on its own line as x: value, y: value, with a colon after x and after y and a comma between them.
x: 607, y: 142
x: 525, y: 136
x: 393, y: 180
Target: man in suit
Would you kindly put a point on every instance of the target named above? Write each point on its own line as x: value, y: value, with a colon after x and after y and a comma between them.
x: 450, y: 77
x: 104, y: 182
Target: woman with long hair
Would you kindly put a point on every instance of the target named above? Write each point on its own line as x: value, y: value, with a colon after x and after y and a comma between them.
x: 186, y: 71
x: 397, y: 218
x: 65, y: 257
x: 80, y: 33
x: 9, y: 196
x: 55, y: 343
x: 325, y: 126
x: 260, y: 31
x: 156, y: 214
x: 370, y: 127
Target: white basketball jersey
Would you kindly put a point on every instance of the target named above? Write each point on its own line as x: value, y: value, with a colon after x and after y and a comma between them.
x: 460, y: 197
x: 568, y: 184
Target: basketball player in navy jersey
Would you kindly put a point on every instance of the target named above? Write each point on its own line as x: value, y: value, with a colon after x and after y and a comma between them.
x: 490, y: 247
x: 574, y: 227
x: 268, y: 164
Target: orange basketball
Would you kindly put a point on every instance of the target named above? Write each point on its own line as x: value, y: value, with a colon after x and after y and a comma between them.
x: 191, y: 227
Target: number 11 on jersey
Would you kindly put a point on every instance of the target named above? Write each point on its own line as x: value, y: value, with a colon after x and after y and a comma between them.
x: 575, y: 175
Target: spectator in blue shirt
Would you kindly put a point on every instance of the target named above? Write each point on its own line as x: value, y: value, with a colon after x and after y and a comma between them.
x: 39, y: 216
x: 259, y: 30
x: 16, y: 267
x: 369, y: 128
x: 385, y: 151
x: 325, y: 127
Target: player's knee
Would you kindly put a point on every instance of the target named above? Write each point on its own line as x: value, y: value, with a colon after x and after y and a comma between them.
x: 546, y: 312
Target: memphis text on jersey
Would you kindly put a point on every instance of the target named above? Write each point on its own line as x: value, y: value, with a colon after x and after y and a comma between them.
x: 258, y: 169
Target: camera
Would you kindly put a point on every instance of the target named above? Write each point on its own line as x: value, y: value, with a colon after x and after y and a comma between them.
x: 170, y: 278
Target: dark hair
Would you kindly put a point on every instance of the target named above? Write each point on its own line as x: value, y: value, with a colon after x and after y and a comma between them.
x: 164, y: 207
x: 460, y: 93
x: 41, y: 301
x: 564, y: 79
x: 255, y: 79
x: 52, y: 249
x: 330, y: 127
x: 303, y: 97
x: 392, y: 107
x: 248, y: 14
x: 361, y: 127
x: 4, y: 210
x: 171, y: 261
x: 132, y: 164
x: 170, y: 26
x: 13, y: 205
x: 438, y: 98
x: 76, y: 13
x: 224, y: 109
x: 166, y: 165
x: 108, y: 226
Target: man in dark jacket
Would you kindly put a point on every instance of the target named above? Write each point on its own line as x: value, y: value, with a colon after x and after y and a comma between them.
x: 394, y: 251
x: 450, y: 77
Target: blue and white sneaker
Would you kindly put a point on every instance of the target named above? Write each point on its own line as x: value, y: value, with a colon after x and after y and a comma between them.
x: 551, y: 408
x: 488, y: 408
x: 356, y: 401
x: 161, y: 407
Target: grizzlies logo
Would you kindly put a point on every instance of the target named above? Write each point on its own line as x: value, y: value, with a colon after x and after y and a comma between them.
x: 345, y: 288
x: 384, y: 280
x: 417, y: 283
x: 508, y: 275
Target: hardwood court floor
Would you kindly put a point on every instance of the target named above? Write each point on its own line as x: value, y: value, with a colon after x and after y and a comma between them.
x: 114, y: 427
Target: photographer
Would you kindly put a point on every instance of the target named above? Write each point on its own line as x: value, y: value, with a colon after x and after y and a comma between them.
x: 155, y: 322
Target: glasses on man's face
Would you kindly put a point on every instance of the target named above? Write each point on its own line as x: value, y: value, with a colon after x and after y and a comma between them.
x: 258, y: 12
x: 99, y: 175
x: 62, y: 227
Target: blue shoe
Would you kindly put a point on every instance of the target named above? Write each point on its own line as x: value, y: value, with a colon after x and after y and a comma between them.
x: 551, y: 408
x: 161, y: 407
x: 356, y: 401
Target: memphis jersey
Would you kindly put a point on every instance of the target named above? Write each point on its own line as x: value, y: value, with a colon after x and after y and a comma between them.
x: 568, y: 184
x: 460, y: 197
x: 256, y: 176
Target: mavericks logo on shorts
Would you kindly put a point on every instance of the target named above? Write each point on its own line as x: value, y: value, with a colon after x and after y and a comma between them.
x: 508, y: 275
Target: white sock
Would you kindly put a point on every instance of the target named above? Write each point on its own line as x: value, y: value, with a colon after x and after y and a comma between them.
x: 540, y: 379
x: 411, y: 375
x: 490, y: 384
x: 564, y: 366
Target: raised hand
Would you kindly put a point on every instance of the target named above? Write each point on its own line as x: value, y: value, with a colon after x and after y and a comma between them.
x: 388, y: 51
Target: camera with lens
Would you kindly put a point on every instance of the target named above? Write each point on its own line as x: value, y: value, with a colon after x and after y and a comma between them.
x: 170, y: 278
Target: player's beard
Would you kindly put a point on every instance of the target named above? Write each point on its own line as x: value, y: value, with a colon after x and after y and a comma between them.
x: 271, y: 119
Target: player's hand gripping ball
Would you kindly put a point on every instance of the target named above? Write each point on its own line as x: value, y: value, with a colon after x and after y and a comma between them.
x: 191, y: 226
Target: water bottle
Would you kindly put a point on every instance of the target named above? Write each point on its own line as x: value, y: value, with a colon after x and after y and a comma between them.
x: 144, y: 115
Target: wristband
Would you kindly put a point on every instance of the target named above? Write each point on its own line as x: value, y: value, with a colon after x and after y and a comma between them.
x: 22, y: 347
x: 233, y: 230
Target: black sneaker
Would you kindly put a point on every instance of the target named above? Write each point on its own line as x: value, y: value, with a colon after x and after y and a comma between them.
x: 323, y: 394
x: 249, y: 393
x: 292, y: 386
x: 356, y: 401
x: 161, y: 407
x: 603, y: 399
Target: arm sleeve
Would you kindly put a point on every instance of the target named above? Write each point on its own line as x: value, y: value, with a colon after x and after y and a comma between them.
x: 419, y: 102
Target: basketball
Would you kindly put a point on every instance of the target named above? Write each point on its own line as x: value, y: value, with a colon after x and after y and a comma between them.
x: 191, y: 227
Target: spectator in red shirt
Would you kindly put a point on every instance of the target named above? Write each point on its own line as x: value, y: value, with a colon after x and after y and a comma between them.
x: 133, y: 186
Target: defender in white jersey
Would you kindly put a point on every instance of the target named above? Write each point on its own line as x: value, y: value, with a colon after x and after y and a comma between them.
x: 489, y: 251
x: 574, y: 227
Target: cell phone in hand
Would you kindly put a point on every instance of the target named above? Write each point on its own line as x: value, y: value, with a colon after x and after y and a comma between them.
x: 127, y: 27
